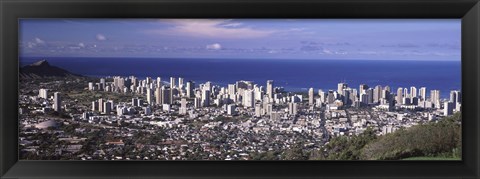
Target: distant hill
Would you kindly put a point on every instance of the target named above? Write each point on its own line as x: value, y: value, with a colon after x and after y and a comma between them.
x: 41, y: 69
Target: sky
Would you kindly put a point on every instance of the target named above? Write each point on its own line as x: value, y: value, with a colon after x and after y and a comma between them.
x: 316, y: 39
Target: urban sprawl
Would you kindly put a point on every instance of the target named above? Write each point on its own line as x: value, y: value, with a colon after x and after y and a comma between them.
x: 127, y: 118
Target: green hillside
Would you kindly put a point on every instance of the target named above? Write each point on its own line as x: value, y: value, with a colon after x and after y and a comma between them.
x: 440, y: 139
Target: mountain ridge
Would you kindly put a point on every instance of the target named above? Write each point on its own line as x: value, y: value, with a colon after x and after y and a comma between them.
x: 42, y: 69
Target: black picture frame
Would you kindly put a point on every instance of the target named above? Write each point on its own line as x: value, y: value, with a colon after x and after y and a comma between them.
x: 467, y: 10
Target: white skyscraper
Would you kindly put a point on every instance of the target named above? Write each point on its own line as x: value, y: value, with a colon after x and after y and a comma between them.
x: 159, y: 82
x: 232, y: 89
x: 258, y: 110
x: 158, y: 95
x: 399, y: 98
x: 197, y: 103
x: 362, y: 88
x: 149, y: 96
x: 148, y: 80
x: 322, y: 95
x: 413, y: 92
x: 448, y: 108
x: 90, y: 86
x: 270, y: 88
x: 310, y: 96
x: 180, y: 83
x: 405, y: 92
x: 57, y: 100
x: 43, y: 93
x: 292, y: 108
x: 248, y: 98
x: 422, y: 92
x: 183, y: 106
x: 100, y: 105
x: 435, y: 98
x: 377, y: 94
x: 340, y: 88
x: 172, y: 82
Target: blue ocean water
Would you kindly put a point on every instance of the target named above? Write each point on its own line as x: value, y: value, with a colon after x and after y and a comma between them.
x: 293, y: 75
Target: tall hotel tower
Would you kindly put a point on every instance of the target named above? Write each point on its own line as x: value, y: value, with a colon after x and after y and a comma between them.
x: 57, y: 102
x: 270, y: 89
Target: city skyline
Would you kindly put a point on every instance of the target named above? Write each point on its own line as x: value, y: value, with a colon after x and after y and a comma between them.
x: 374, y: 39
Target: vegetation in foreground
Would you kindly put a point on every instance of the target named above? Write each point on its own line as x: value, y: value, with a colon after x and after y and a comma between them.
x: 434, y: 140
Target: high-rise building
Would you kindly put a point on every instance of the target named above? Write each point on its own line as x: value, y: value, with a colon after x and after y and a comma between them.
x: 292, y: 108
x: 148, y: 80
x: 370, y: 96
x: 57, y: 101
x: 190, y: 87
x: 197, y: 102
x: 149, y: 96
x: 158, y: 95
x: 340, y: 88
x: 159, y: 82
x: 422, y: 92
x: 107, y: 107
x: 346, y: 96
x: 172, y: 82
x: 180, y: 82
x: 388, y: 89
x: 364, y: 98
x: 166, y: 95
x: 90, y: 86
x: 413, y: 92
x: 330, y: 97
x: 183, y: 106
x: 232, y: 90
x: 455, y: 96
x: 94, y: 106
x: 208, y: 86
x: 377, y: 94
x: 362, y: 88
x: 399, y: 98
x: 100, y: 105
x: 275, y: 115
x: 248, y: 98
x: 231, y: 109
x: 147, y: 111
x: 405, y: 93
x: 435, y: 98
x: 322, y: 95
x: 135, y: 102
x: 270, y: 88
x: 258, y: 110
x: 310, y: 96
x: 43, y: 93
x: 205, y: 98
x: 102, y: 83
x: 448, y: 108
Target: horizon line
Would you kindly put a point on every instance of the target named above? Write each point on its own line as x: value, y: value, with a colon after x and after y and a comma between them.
x: 247, y: 58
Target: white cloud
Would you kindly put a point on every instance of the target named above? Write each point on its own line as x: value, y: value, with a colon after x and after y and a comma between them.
x: 82, y: 45
x: 232, y: 24
x: 210, y: 28
x: 39, y: 41
x: 215, y: 46
x: 101, y: 37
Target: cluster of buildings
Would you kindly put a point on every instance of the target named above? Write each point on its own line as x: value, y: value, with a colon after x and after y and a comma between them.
x: 252, y: 118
